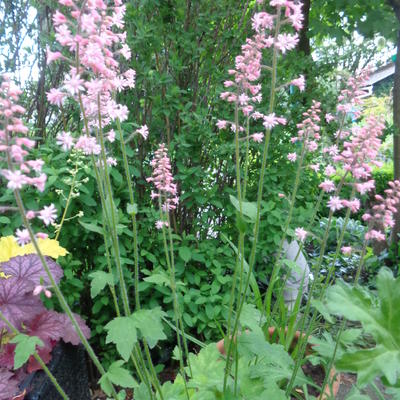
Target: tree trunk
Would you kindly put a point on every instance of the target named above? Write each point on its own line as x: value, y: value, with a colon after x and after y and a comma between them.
x: 396, y: 121
x: 304, y: 40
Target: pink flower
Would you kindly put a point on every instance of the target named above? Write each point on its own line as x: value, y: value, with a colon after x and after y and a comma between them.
x: 88, y: 145
x: 329, y: 118
x: 111, y: 161
x: 30, y: 214
x: 346, y: 250
x: 160, y: 224
x: 39, y: 289
x: 73, y: 84
x: 329, y: 170
x: 300, y: 82
x: 257, y: 137
x: 327, y: 186
x: 16, y: 180
x: 335, y: 203
x: 48, y: 214
x: 65, y: 140
x: 111, y: 136
x: 314, y: 167
x: 281, y: 195
x: 270, y: 121
x: 301, y: 234
x: 144, y: 131
x: 221, y: 124
x: 292, y: 157
x: 52, y: 56
x: 41, y: 235
x: 56, y: 97
x: 22, y: 236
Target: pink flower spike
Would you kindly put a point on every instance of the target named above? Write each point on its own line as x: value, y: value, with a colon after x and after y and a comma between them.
x: 301, y: 234
x: 346, y: 250
x: 48, y: 214
x: 292, y: 157
x: 16, y: 180
x: 22, y: 236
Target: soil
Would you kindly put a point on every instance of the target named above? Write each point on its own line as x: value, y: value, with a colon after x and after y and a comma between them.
x: 316, y: 374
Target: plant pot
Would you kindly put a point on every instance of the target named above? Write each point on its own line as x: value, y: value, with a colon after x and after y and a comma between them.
x: 329, y: 391
x: 68, y: 365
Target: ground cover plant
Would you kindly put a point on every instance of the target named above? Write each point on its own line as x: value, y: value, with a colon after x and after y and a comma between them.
x: 171, y: 261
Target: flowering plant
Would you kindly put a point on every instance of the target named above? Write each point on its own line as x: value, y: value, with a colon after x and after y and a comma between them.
x: 91, y: 44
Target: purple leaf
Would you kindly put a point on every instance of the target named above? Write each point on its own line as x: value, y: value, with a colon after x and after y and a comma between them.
x: 7, y: 356
x: 69, y: 334
x: 8, y: 385
x: 17, y: 302
x: 48, y: 325
x: 30, y: 267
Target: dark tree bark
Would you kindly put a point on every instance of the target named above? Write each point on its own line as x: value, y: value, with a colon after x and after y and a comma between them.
x: 396, y: 119
x: 304, y: 40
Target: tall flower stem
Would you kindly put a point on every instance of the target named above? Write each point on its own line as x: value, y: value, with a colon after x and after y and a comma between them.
x: 53, y: 380
x: 277, y: 266
x: 259, y: 193
x: 175, y: 303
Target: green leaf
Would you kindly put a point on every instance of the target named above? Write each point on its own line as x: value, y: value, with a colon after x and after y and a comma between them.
x: 132, y: 209
x: 149, y: 322
x: 4, y: 220
x: 185, y: 253
x: 159, y: 279
x: 117, y: 375
x: 92, y: 227
x: 122, y: 332
x: 249, y: 209
x: 99, y: 280
x: 26, y: 346
x: 379, y: 315
x: 371, y: 363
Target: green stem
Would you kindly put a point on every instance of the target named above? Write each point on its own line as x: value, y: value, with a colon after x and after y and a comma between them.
x: 67, y: 203
x: 277, y: 265
x: 175, y: 303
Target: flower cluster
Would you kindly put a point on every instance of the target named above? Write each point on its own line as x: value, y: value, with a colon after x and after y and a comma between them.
x: 89, y: 33
x: 245, y: 92
x: 382, y: 212
x: 14, y: 145
x: 20, y: 171
x: 163, y: 181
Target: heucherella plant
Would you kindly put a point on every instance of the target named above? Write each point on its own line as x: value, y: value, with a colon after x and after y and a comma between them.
x: 91, y: 42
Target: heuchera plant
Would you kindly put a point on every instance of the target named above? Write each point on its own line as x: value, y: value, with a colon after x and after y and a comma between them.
x: 29, y: 323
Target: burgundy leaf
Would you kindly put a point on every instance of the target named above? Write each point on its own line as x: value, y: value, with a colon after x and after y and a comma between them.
x: 8, y: 385
x: 30, y: 267
x: 17, y: 302
x: 46, y: 325
x: 69, y: 333
x: 7, y: 356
